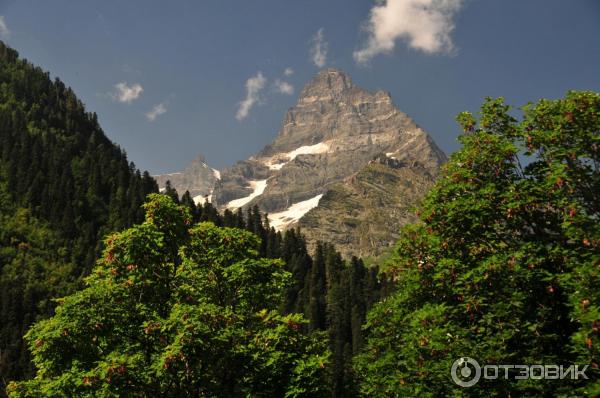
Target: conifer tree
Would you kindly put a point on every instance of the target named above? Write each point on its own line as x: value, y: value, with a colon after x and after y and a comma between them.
x: 187, y: 201
x: 171, y: 192
x: 315, y: 305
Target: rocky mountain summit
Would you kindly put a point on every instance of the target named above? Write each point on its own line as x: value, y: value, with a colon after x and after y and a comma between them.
x: 198, y: 178
x: 347, y: 160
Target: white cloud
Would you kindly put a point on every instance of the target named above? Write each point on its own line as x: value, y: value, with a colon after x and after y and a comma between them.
x: 288, y: 72
x: 425, y: 25
x: 126, y: 94
x: 4, y: 31
x: 283, y: 87
x: 254, y: 85
x: 318, y: 51
x: 156, y: 111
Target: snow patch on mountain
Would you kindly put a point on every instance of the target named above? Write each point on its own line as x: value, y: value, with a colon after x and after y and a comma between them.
x: 258, y: 187
x: 217, y: 174
x: 276, y: 166
x: 292, y: 214
x: 414, y: 135
x: 202, y: 199
x: 278, y: 161
x: 321, y: 147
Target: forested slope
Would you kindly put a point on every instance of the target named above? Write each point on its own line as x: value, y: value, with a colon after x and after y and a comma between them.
x: 65, y: 185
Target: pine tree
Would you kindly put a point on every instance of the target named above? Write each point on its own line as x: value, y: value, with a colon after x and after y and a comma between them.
x: 188, y: 202
x: 171, y: 192
x: 317, y: 293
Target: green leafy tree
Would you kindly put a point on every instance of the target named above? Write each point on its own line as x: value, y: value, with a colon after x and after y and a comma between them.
x: 504, y: 265
x: 174, y: 311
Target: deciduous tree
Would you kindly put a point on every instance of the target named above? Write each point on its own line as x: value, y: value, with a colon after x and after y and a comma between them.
x: 176, y: 311
x: 503, y: 266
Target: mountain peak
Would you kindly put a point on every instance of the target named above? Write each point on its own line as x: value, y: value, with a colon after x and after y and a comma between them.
x: 330, y: 80
x: 333, y: 111
x: 198, y: 178
x: 199, y: 159
x: 333, y: 72
x: 336, y: 133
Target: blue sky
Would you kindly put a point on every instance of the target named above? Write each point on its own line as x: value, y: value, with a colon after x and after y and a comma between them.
x: 191, y: 61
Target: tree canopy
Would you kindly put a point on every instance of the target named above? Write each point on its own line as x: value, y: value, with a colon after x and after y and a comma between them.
x: 503, y: 266
x: 177, y: 310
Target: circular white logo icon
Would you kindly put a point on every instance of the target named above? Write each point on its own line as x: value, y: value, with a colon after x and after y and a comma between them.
x: 465, y: 372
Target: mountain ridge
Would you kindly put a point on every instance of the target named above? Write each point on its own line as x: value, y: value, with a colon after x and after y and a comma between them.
x: 335, y: 130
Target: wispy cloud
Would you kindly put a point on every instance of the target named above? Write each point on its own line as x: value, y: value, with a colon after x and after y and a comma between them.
x: 425, y: 25
x: 125, y: 93
x: 288, y: 72
x: 319, y: 48
x: 284, y: 87
x: 156, y: 111
x: 4, y: 31
x: 254, y: 85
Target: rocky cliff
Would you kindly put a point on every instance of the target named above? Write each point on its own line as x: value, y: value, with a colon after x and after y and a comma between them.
x: 363, y: 214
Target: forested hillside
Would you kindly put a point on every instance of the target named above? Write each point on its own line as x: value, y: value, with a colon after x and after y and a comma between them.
x: 58, y: 162
x: 176, y: 309
x: 65, y: 185
x: 34, y: 267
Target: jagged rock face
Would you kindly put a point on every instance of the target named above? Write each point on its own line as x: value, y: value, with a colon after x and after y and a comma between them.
x: 198, y: 178
x: 332, y: 109
x: 362, y: 215
x: 335, y: 129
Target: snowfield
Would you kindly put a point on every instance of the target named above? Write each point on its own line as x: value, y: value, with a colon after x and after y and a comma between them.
x: 276, y: 166
x: 258, y: 187
x: 201, y: 199
x: 321, y: 147
x: 283, y: 158
x: 283, y: 219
